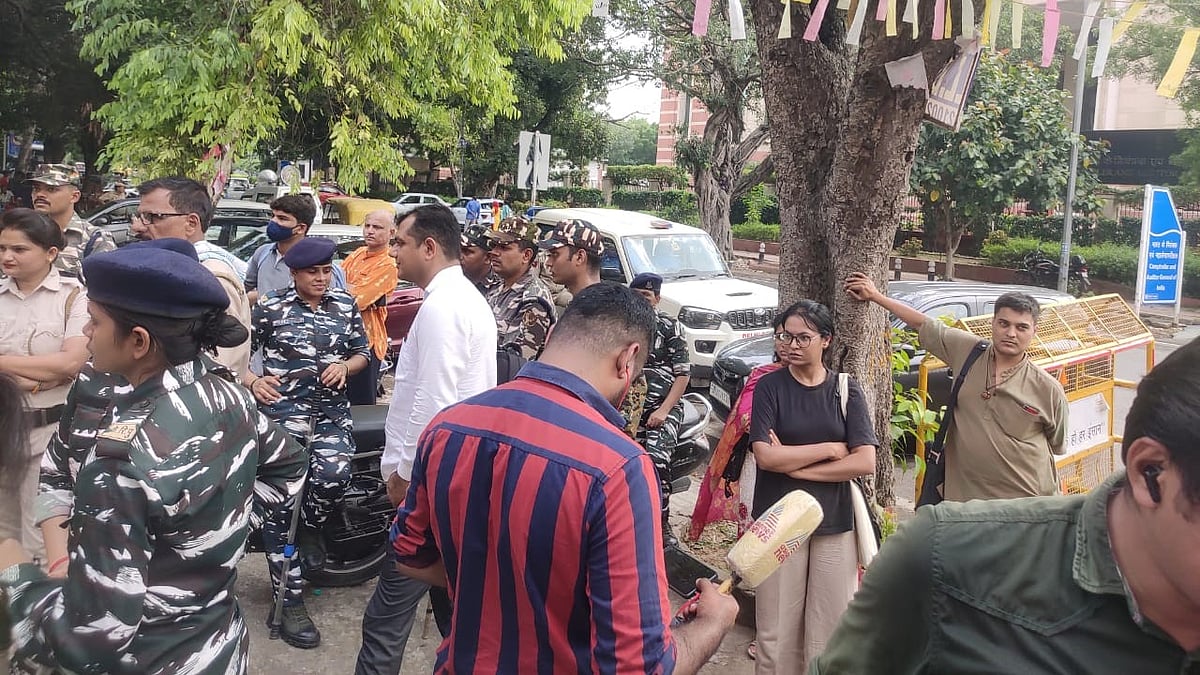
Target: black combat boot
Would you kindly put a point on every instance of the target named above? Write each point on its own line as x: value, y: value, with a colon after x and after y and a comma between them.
x: 669, y: 539
x: 297, y: 629
x: 311, y: 547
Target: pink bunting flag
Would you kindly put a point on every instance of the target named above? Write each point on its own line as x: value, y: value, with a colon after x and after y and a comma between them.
x: 700, y: 20
x: 881, y: 11
x: 814, y: 22
x: 1050, y: 32
x: 939, y: 19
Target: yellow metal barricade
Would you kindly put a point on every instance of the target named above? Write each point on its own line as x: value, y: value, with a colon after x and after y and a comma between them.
x: 1077, y: 342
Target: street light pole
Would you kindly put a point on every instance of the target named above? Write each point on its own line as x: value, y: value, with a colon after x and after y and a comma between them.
x: 1064, y: 257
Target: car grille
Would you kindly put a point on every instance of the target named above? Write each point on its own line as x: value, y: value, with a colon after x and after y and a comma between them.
x: 743, y: 319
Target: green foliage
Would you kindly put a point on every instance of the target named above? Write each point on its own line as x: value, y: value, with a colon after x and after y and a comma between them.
x: 631, y: 142
x: 756, y: 232
x: 911, y: 248
x: 642, y: 174
x: 1014, y: 143
x: 574, y: 196
x: 189, y: 76
x: 768, y: 208
x: 756, y: 203
x: 1108, y: 262
x: 910, y: 414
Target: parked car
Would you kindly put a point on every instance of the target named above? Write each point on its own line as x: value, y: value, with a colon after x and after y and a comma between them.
x: 265, y: 193
x: 713, y: 307
x: 116, y: 216
x: 485, y: 210
x: 236, y: 187
x: 411, y: 200
x: 932, y: 298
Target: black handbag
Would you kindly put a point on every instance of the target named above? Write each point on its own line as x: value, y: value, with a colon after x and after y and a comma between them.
x: 935, y: 455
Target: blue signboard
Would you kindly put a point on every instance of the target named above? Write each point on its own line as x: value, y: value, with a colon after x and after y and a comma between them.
x: 1160, y: 266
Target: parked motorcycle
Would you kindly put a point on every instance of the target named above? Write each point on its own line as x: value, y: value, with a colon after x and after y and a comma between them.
x: 693, y: 449
x: 356, y: 533
x: 1040, y: 270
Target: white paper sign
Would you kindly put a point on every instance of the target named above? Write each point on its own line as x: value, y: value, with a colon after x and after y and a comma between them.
x: 1088, y: 423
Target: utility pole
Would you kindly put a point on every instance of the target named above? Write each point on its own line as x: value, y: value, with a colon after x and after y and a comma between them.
x: 1064, y: 257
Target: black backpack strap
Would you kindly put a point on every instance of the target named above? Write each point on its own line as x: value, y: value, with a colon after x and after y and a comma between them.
x: 91, y: 243
x: 935, y: 453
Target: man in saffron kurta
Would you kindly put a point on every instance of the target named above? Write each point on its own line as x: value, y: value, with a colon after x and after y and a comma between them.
x: 372, y: 275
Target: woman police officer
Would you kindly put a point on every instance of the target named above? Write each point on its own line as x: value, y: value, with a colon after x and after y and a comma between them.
x: 163, y: 500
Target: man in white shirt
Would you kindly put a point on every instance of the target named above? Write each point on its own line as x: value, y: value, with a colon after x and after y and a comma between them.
x: 448, y: 356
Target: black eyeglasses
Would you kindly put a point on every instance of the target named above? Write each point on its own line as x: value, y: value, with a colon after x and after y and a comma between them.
x: 151, y: 218
x: 801, y: 339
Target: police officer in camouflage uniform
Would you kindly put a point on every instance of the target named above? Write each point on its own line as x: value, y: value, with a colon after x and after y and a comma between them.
x: 474, y: 258
x: 162, y: 492
x: 313, y: 340
x: 667, y: 373
x: 523, y: 307
x: 55, y: 193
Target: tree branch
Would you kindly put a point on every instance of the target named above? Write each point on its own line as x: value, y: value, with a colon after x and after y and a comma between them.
x: 747, y: 181
x: 750, y: 143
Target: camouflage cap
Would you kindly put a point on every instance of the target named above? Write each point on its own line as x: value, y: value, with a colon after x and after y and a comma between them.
x: 56, y: 175
x: 515, y: 229
x: 475, y: 235
x: 575, y: 233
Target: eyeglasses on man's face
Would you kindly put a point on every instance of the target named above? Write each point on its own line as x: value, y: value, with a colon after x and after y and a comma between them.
x: 799, y: 339
x: 152, y: 218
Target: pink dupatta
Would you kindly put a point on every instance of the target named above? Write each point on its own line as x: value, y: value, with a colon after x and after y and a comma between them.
x: 713, y: 504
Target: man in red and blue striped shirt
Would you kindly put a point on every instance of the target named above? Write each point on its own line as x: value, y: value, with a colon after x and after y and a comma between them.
x: 542, y: 516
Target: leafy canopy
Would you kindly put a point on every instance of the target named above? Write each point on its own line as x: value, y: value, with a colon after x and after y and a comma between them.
x: 187, y: 76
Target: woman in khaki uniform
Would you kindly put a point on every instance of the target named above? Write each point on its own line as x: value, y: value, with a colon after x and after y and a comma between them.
x: 42, y: 348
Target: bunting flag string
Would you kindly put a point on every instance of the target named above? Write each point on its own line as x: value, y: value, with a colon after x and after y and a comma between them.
x: 1131, y: 15
x: 814, y: 22
x: 737, y: 20
x: 1179, y: 65
x: 1018, y: 22
x: 1085, y: 29
x: 1050, y: 32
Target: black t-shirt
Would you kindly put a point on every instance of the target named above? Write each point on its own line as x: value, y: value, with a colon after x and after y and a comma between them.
x: 802, y: 415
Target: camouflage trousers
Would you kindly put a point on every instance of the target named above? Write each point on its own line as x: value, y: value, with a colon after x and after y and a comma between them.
x: 631, y: 407
x: 328, y: 477
x: 660, y: 443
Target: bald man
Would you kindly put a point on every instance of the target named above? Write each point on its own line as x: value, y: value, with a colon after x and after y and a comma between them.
x: 372, y: 275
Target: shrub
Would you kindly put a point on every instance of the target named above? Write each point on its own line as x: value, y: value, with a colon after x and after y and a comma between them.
x: 759, y: 232
x: 641, y: 174
x: 665, y: 200
x: 910, y: 248
x: 1013, y: 251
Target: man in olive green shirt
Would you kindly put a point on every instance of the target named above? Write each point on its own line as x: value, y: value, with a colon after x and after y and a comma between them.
x: 1011, y: 415
x: 1102, y: 583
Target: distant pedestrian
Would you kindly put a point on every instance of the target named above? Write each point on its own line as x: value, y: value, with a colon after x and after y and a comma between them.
x: 541, y: 517
x: 473, y: 210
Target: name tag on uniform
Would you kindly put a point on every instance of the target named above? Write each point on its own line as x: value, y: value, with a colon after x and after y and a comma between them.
x: 121, y: 431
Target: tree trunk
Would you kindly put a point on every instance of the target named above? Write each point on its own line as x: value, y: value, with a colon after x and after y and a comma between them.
x: 843, y: 141
x: 954, y: 235
x: 25, y: 154
x: 713, y: 203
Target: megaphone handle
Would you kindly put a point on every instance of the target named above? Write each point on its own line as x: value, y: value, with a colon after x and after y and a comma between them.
x: 686, y: 610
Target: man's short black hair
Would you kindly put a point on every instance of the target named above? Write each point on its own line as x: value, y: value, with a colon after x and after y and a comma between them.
x: 300, y: 207
x: 1167, y: 409
x: 1021, y: 303
x: 605, y: 316
x: 436, y: 222
x: 593, y: 260
x: 187, y: 196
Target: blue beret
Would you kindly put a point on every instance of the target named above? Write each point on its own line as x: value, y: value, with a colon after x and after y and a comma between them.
x: 153, y: 280
x: 310, y: 251
x: 181, y: 246
x: 647, y: 281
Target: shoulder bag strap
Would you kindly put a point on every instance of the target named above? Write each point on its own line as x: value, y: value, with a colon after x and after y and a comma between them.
x: 935, y: 453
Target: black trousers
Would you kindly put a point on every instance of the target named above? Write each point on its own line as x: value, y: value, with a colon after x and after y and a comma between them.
x: 363, y: 387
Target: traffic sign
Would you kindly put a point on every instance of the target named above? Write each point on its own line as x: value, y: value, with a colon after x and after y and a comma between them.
x: 1160, y: 264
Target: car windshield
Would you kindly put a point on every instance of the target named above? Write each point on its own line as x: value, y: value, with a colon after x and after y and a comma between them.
x: 674, y: 256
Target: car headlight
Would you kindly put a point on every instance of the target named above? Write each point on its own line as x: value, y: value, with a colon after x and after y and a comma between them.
x: 700, y: 319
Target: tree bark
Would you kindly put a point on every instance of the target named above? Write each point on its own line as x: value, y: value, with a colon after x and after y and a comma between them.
x: 713, y: 204
x: 842, y: 142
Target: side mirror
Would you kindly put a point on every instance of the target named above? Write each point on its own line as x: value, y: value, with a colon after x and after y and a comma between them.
x: 101, y: 221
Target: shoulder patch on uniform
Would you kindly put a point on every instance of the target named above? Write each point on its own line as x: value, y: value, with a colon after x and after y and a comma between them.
x: 121, y: 431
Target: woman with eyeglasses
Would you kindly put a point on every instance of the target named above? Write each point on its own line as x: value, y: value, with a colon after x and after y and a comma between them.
x: 42, y: 348
x: 801, y: 440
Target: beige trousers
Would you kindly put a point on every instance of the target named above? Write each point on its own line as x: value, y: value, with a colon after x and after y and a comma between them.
x: 16, y: 508
x: 797, y: 608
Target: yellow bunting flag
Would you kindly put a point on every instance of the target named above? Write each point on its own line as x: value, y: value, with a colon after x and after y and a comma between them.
x: 1018, y: 21
x: 1179, y: 65
x: 949, y: 22
x: 785, y: 26
x: 891, y: 19
x: 985, y: 31
x: 843, y: 4
x: 1131, y: 15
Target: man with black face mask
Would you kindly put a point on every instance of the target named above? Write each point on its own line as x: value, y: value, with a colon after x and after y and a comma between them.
x: 292, y: 215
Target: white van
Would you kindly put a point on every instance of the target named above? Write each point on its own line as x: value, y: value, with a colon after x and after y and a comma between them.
x: 712, y: 306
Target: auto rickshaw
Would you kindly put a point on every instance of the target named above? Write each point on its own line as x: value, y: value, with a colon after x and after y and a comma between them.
x: 352, y: 210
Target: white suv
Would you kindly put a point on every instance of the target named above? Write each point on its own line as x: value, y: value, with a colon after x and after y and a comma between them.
x: 712, y: 306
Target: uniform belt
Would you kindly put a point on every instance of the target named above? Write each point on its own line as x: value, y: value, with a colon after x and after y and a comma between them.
x: 43, y: 416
